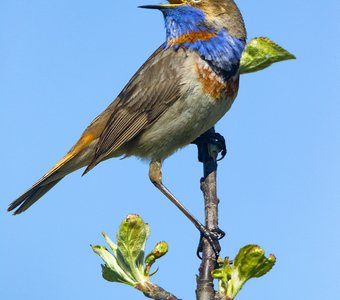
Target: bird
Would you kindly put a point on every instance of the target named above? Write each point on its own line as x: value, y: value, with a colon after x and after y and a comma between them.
x: 181, y: 91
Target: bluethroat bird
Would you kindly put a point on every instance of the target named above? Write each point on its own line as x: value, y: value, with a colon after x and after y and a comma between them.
x: 180, y: 92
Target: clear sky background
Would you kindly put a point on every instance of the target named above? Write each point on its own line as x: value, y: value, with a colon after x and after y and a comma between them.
x: 62, y: 62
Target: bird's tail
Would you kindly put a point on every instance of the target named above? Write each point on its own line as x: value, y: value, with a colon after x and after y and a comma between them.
x: 66, y: 165
x: 31, y: 196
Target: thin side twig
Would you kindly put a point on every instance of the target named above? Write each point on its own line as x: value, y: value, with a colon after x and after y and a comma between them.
x: 154, y: 291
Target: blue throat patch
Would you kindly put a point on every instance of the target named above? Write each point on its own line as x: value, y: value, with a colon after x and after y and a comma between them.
x: 222, y: 51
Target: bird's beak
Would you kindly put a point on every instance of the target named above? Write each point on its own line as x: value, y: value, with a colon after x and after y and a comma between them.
x: 172, y: 3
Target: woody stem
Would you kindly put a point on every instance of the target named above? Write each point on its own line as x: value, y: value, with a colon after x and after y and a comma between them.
x: 208, y: 153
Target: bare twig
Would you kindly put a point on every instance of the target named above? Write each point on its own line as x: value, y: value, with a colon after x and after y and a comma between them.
x: 208, y: 155
x: 154, y: 291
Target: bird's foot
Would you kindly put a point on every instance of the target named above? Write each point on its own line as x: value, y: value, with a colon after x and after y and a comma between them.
x: 213, y: 237
x: 213, y: 138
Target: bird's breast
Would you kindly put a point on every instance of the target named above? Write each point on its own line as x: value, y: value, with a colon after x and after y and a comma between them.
x: 214, y: 85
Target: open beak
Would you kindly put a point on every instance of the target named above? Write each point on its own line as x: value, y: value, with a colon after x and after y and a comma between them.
x: 172, y: 3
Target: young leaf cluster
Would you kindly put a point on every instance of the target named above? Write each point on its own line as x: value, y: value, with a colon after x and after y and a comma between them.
x: 249, y: 263
x: 125, y: 262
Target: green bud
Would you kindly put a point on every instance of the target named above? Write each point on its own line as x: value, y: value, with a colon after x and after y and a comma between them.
x: 160, y: 250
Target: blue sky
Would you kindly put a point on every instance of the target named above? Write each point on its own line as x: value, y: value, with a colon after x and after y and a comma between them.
x: 62, y: 62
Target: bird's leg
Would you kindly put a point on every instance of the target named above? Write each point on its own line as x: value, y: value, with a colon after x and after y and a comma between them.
x: 155, y: 175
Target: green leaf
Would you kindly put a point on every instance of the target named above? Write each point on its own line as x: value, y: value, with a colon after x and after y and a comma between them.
x: 112, y: 271
x: 131, y: 239
x: 249, y: 263
x: 261, y: 53
x: 111, y: 244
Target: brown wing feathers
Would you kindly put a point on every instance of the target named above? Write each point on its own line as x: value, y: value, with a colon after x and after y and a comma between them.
x: 139, y: 105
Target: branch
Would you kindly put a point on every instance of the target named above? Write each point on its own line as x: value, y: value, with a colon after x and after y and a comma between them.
x: 208, y: 155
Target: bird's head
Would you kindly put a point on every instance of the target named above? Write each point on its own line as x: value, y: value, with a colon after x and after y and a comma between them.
x: 187, y: 16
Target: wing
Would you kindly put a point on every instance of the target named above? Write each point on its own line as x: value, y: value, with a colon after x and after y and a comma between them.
x: 154, y: 88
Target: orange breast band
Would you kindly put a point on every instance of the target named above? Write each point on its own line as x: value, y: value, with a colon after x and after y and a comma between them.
x: 191, y: 37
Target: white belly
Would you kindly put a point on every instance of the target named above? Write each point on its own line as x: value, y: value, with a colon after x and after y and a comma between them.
x: 180, y: 125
